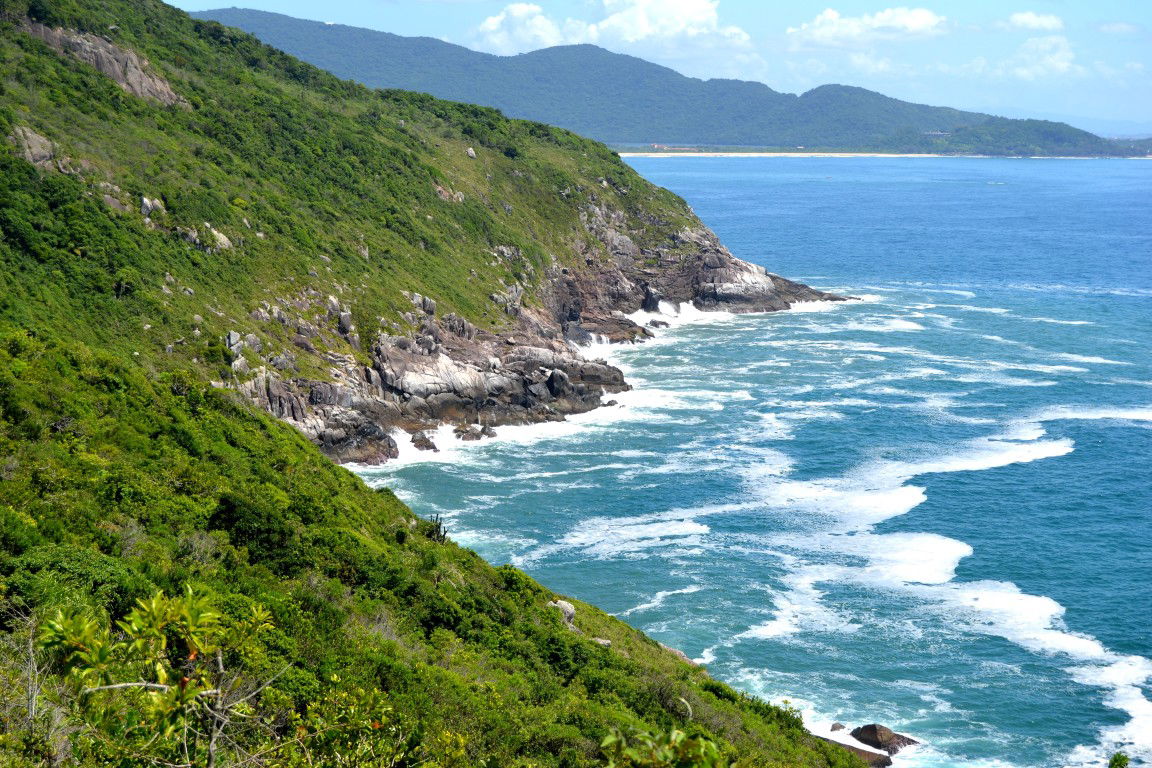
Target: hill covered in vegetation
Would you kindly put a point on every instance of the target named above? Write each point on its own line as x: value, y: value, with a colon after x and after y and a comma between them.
x: 625, y: 100
x: 212, y: 252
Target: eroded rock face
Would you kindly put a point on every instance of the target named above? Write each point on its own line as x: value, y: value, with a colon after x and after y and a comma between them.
x: 447, y: 371
x: 128, y: 69
x: 33, y: 147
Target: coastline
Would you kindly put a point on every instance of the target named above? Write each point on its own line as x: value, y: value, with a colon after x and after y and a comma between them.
x: 782, y: 154
x: 868, y: 154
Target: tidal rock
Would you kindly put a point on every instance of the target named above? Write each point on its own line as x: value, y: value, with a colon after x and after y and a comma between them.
x: 652, y: 299
x: 468, y: 433
x: 881, y: 737
x: 837, y: 727
x: 423, y: 442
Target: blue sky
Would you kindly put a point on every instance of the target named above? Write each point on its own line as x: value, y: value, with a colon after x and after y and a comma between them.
x: 1088, y: 62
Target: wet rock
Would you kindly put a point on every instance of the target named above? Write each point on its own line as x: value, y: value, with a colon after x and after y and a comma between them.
x: 652, y: 299
x: 837, y: 727
x: 468, y: 433
x: 881, y: 737
x: 424, y: 443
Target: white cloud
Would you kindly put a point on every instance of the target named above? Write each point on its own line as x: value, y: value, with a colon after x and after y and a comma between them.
x: 1041, y: 57
x: 831, y: 28
x: 519, y: 27
x: 687, y: 34
x: 1119, y: 28
x: 525, y: 26
x: 870, y: 64
x: 1032, y: 20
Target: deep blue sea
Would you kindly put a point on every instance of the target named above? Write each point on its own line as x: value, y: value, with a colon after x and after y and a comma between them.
x: 929, y: 508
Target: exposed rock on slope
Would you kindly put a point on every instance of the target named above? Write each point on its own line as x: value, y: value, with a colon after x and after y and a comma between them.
x: 125, y: 67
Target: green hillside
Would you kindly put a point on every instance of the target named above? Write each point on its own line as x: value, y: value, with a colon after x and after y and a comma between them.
x: 326, y: 624
x: 624, y: 100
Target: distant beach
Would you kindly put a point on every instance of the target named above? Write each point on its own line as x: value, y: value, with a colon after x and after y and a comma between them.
x: 779, y: 154
x: 862, y: 154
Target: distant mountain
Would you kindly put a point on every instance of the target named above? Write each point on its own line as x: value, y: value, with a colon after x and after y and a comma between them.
x: 625, y: 100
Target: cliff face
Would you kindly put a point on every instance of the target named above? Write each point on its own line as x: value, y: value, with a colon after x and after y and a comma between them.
x: 449, y: 371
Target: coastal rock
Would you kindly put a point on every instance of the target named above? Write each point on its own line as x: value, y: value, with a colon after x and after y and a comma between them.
x: 129, y: 70
x: 436, y: 370
x: 874, y: 759
x: 881, y: 737
x: 424, y: 443
x: 838, y: 727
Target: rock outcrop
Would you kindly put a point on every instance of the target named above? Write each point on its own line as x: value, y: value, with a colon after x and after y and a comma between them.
x: 129, y: 70
x: 881, y: 737
x: 445, y: 370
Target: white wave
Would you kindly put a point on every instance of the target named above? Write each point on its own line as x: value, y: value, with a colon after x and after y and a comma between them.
x: 1091, y: 413
x: 925, y: 565
x: 972, y: 308
x: 799, y: 608
x: 609, y: 537
x: 805, y: 307
x: 881, y: 325
x: 1054, y: 321
x: 658, y: 599
x: 675, y: 316
x: 1089, y: 359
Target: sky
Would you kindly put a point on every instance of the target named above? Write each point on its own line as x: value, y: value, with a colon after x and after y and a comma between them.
x: 1088, y: 62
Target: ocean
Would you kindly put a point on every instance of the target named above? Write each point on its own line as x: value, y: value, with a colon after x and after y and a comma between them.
x: 929, y: 508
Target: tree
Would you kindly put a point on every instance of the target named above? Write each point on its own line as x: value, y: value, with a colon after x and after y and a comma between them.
x: 1119, y: 760
x: 155, y: 688
x: 673, y: 750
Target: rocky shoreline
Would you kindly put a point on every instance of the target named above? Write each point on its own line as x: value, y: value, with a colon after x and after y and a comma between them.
x: 441, y: 369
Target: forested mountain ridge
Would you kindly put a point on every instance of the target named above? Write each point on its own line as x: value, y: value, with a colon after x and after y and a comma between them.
x: 193, y: 224
x: 621, y: 99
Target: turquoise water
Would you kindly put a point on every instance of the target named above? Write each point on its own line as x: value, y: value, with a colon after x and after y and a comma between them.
x: 930, y: 508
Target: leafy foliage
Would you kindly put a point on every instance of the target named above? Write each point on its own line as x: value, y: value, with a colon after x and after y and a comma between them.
x: 672, y: 750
